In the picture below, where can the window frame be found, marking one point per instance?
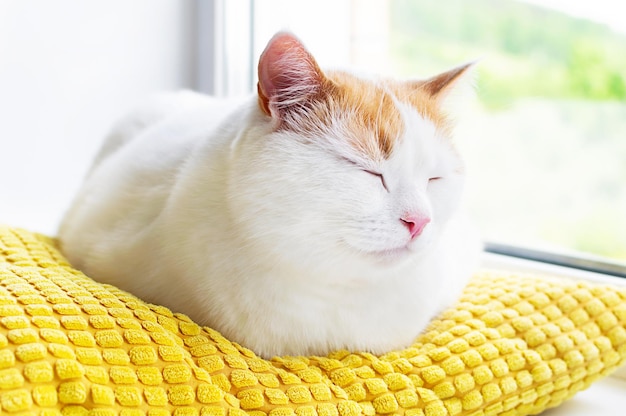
(224, 46)
(578, 260)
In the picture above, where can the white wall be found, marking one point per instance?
(68, 70)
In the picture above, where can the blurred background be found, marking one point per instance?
(544, 138)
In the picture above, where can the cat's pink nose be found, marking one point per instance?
(415, 224)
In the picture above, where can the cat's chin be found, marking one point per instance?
(390, 257)
(397, 256)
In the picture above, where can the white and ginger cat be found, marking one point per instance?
(321, 214)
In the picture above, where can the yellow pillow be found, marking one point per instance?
(513, 345)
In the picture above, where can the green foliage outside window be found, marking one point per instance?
(531, 52)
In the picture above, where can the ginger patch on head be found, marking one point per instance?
(368, 113)
(299, 96)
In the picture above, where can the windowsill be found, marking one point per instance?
(498, 261)
(605, 397)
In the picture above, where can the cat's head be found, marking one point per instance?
(346, 172)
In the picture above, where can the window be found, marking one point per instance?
(544, 139)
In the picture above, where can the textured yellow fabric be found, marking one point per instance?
(514, 345)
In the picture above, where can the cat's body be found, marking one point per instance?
(319, 215)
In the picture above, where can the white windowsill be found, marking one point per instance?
(605, 397)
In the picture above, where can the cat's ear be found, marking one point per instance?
(288, 75)
(441, 85)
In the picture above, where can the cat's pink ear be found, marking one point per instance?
(288, 75)
(441, 85)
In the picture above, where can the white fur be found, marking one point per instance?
(273, 239)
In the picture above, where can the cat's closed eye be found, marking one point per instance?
(379, 176)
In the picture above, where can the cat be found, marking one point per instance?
(320, 214)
